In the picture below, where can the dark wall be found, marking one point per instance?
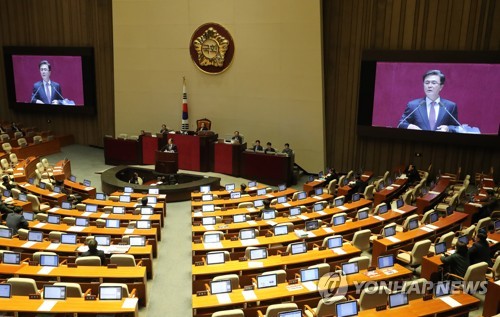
(349, 27)
(63, 23)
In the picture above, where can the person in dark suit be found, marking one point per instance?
(170, 147)
(257, 146)
(164, 129)
(332, 174)
(46, 91)
(431, 113)
(237, 138)
(458, 262)
(269, 148)
(16, 221)
(287, 150)
(480, 250)
(92, 251)
(358, 186)
(202, 127)
(412, 174)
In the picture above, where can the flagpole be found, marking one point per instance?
(185, 121)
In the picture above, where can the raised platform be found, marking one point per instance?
(177, 187)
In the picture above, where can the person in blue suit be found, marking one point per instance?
(46, 91)
(431, 113)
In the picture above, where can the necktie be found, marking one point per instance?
(432, 116)
(47, 91)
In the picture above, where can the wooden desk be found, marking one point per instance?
(131, 205)
(46, 195)
(227, 158)
(26, 205)
(390, 192)
(25, 169)
(434, 196)
(87, 192)
(137, 196)
(491, 302)
(149, 147)
(311, 186)
(267, 168)
(21, 304)
(195, 152)
(386, 245)
(62, 170)
(42, 149)
(122, 152)
(224, 193)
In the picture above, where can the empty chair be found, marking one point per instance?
(475, 273)
(125, 292)
(280, 275)
(22, 286)
(361, 239)
(92, 260)
(13, 159)
(46, 164)
(6, 166)
(122, 260)
(363, 262)
(55, 235)
(377, 184)
(350, 175)
(36, 205)
(408, 197)
(368, 193)
(18, 134)
(414, 258)
(4, 137)
(23, 234)
(72, 289)
(42, 217)
(70, 221)
(442, 207)
(406, 223)
(229, 313)
(37, 139)
(331, 188)
(41, 169)
(81, 207)
(234, 278)
(245, 205)
(114, 198)
(361, 211)
(273, 310)
(323, 268)
(414, 289)
(7, 147)
(426, 217)
(341, 180)
(386, 178)
(326, 307)
(36, 255)
(375, 210)
(22, 142)
(373, 297)
(482, 223)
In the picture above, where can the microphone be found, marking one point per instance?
(35, 93)
(56, 91)
(421, 103)
(441, 105)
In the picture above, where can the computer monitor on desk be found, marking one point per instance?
(442, 288)
(215, 258)
(54, 292)
(5, 290)
(267, 280)
(281, 200)
(280, 230)
(261, 192)
(307, 275)
(440, 248)
(220, 287)
(338, 201)
(49, 260)
(124, 199)
(103, 240)
(356, 197)
(9, 257)
(385, 261)
(82, 222)
(156, 191)
(208, 221)
(295, 211)
(205, 189)
(335, 242)
(208, 208)
(258, 254)
(68, 238)
(398, 299)
(137, 241)
(347, 309)
(118, 210)
(258, 203)
(54, 219)
(128, 189)
(5, 233)
(239, 218)
(291, 313)
(110, 292)
(350, 268)
(298, 248)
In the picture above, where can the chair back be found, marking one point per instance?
(22, 142)
(125, 292)
(476, 273)
(361, 239)
(448, 238)
(482, 223)
(229, 313)
(408, 219)
(349, 175)
(368, 193)
(496, 268)
(7, 147)
(122, 259)
(323, 268)
(37, 139)
(373, 297)
(207, 122)
(363, 262)
(92, 260)
(280, 275)
(18, 134)
(36, 255)
(22, 286)
(420, 249)
(332, 185)
(35, 203)
(414, 288)
(426, 216)
(273, 310)
(327, 306)
(72, 289)
(5, 164)
(247, 204)
(234, 278)
(70, 221)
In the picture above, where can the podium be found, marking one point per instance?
(166, 163)
(228, 157)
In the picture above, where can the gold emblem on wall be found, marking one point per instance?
(212, 48)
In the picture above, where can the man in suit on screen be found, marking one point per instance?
(46, 91)
(431, 113)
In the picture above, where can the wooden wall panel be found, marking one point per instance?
(349, 27)
(63, 23)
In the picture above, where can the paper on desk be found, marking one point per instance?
(339, 251)
(28, 244)
(364, 175)
(53, 246)
(39, 225)
(212, 245)
(328, 230)
(209, 227)
(129, 231)
(252, 264)
(53, 194)
(488, 188)
(497, 282)
(395, 185)
(393, 239)
(434, 192)
(252, 188)
(270, 195)
(450, 301)
(252, 222)
(488, 179)
(389, 271)
(249, 242)
(389, 188)
(104, 215)
(310, 286)
(433, 227)
(491, 241)
(286, 204)
(252, 209)
(76, 228)
(271, 223)
(197, 214)
(483, 195)
(321, 212)
(398, 211)
(89, 188)
(476, 205)
(379, 218)
(426, 229)
(47, 305)
(224, 298)
(318, 197)
(294, 287)
(130, 302)
(86, 214)
(46, 269)
(342, 207)
(249, 295)
(303, 217)
(55, 209)
(145, 217)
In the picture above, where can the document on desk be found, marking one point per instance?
(55, 209)
(252, 222)
(395, 185)
(311, 286)
(249, 295)
(197, 214)
(393, 239)
(130, 303)
(39, 225)
(389, 188)
(271, 223)
(321, 212)
(89, 188)
(252, 209)
(76, 228)
(379, 218)
(212, 245)
(433, 227)
(342, 208)
(129, 231)
(224, 298)
(450, 301)
(249, 242)
(256, 264)
(28, 244)
(209, 227)
(46, 270)
(47, 305)
(317, 197)
(476, 205)
(145, 217)
(434, 192)
(53, 194)
(294, 287)
(398, 211)
(86, 214)
(339, 251)
(426, 229)
(269, 195)
(303, 217)
(53, 246)
(327, 229)
(286, 204)
(105, 215)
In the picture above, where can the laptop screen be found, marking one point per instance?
(143, 224)
(398, 299)
(68, 238)
(347, 309)
(312, 225)
(118, 210)
(110, 292)
(413, 224)
(5, 233)
(318, 207)
(82, 222)
(124, 199)
(338, 201)
(318, 191)
(152, 200)
(54, 292)
(211, 238)
(49, 260)
(307, 275)
(338, 220)
(100, 196)
(6, 193)
(362, 214)
(266, 215)
(72, 178)
(112, 223)
(433, 217)
(350, 268)
(356, 197)
(280, 230)
(258, 254)
(57, 189)
(389, 231)
(295, 211)
(41, 185)
(205, 189)
(246, 234)
(5, 290)
(230, 187)
(66, 205)
(464, 239)
(298, 248)
(385, 261)
(258, 203)
(282, 200)
(156, 191)
(440, 247)
(147, 210)
(281, 187)
(86, 182)
(208, 208)
(382, 209)
(291, 313)
(91, 208)
(28, 215)
(442, 288)
(137, 241)
(239, 218)
(23, 197)
(35, 236)
(301, 195)
(267, 280)
(215, 258)
(128, 189)
(235, 195)
(220, 287)
(400, 202)
(103, 240)
(207, 197)
(261, 192)
(252, 184)
(335, 242)
(11, 258)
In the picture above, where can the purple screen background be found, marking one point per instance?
(475, 88)
(65, 70)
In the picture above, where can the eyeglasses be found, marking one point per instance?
(433, 82)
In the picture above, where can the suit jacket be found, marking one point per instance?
(16, 221)
(39, 93)
(170, 148)
(98, 253)
(237, 138)
(258, 148)
(420, 118)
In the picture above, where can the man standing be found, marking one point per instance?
(170, 147)
(237, 138)
(431, 113)
(46, 91)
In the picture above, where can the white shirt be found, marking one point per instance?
(49, 87)
(436, 106)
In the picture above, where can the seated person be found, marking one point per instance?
(5, 210)
(243, 187)
(7, 183)
(170, 147)
(257, 146)
(237, 139)
(267, 206)
(135, 179)
(458, 262)
(358, 186)
(412, 174)
(16, 221)
(269, 148)
(287, 150)
(202, 127)
(164, 129)
(144, 201)
(332, 174)
(94, 252)
(480, 250)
